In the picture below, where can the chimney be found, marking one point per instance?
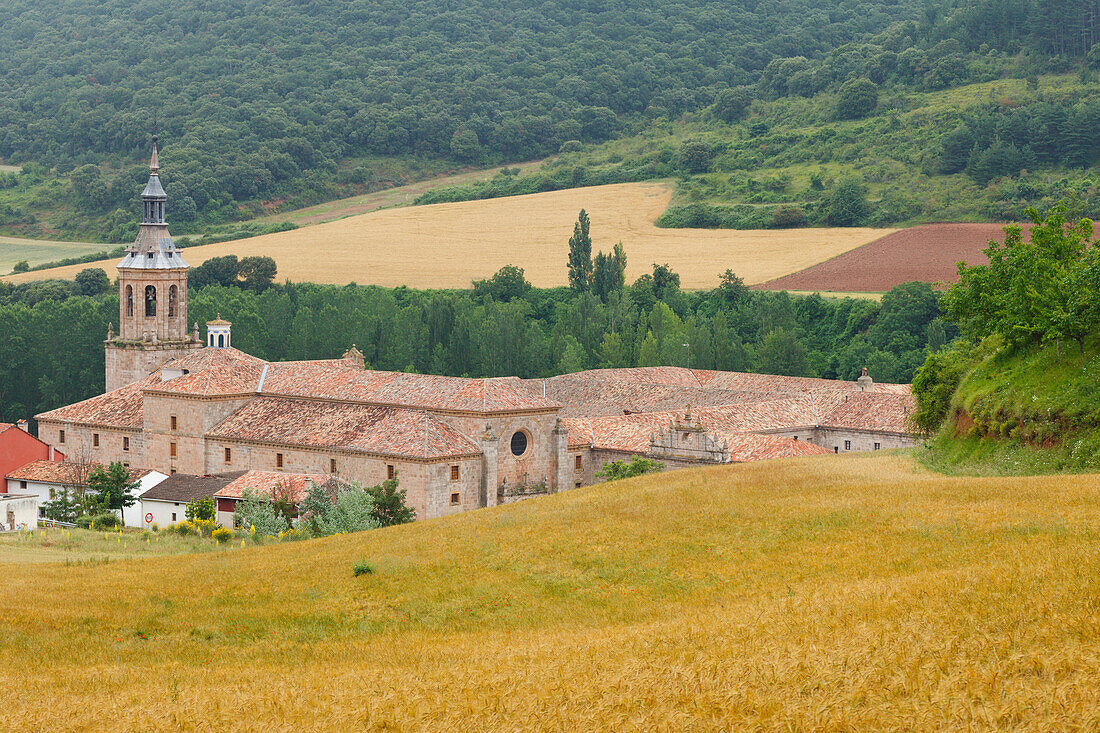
(22, 425)
(866, 384)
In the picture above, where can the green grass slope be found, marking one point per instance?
(1036, 411)
(838, 593)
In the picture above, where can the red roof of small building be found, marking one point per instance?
(291, 486)
(63, 472)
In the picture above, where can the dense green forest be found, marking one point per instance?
(52, 350)
(268, 104)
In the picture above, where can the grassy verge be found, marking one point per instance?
(834, 593)
(87, 546)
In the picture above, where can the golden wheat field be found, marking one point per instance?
(449, 245)
(850, 593)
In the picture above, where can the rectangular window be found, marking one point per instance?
(125, 464)
(22, 484)
(172, 450)
(228, 455)
(278, 460)
(455, 498)
(578, 464)
(125, 443)
(454, 473)
(878, 446)
(173, 516)
(577, 485)
(332, 465)
(836, 449)
(390, 471)
(60, 436)
(847, 445)
(95, 440)
(172, 420)
(172, 472)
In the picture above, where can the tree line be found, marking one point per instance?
(52, 353)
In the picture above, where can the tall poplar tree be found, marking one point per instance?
(580, 255)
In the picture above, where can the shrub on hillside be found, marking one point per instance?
(786, 217)
(256, 514)
(935, 383)
(638, 466)
(847, 204)
(857, 98)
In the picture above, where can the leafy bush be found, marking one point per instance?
(222, 535)
(638, 466)
(202, 508)
(105, 520)
(361, 568)
(256, 513)
(84, 522)
(349, 508)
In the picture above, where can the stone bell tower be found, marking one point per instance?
(152, 289)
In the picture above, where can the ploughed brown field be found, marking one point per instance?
(927, 253)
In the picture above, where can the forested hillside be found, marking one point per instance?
(263, 104)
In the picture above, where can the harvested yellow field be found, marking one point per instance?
(449, 245)
(835, 593)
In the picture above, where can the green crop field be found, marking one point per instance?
(39, 251)
(827, 593)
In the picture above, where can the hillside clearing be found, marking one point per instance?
(858, 592)
(39, 251)
(448, 245)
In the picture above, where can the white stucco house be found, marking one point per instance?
(45, 479)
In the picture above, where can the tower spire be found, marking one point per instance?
(154, 161)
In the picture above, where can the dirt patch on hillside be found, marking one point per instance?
(927, 253)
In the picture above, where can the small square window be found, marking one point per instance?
(454, 473)
(125, 443)
(95, 440)
(60, 436)
(278, 460)
(23, 485)
(171, 472)
(455, 498)
(228, 455)
(172, 450)
(332, 465)
(172, 420)
(125, 464)
(577, 485)
(390, 471)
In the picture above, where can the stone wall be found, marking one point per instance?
(194, 418)
(80, 441)
(428, 485)
(129, 361)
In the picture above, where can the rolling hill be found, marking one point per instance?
(858, 592)
(448, 245)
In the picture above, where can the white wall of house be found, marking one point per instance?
(44, 492)
(164, 512)
(18, 512)
(133, 516)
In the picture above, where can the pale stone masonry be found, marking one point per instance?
(179, 406)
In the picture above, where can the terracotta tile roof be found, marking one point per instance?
(233, 379)
(184, 487)
(297, 485)
(746, 448)
(423, 391)
(120, 408)
(387, 431)
(866, 411)
(62, 472)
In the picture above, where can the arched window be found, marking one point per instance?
(221, 340)
(130, 300)
(150, 301)
(172, 301)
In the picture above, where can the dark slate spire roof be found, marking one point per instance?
(153, 249)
